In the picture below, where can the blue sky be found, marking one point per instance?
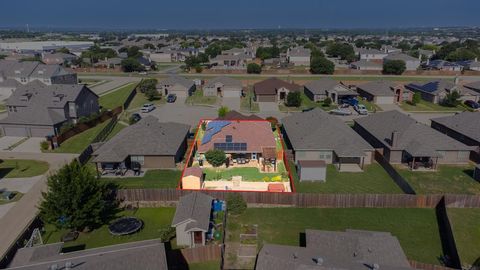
(223, 14)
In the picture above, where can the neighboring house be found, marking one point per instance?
(474, 86)
(428, 54)
(317, 135)
(299, 56)
(470, 65)
(150, 143)
(224, 87)
(370, 54)
(384, 92)
(411, 63)
(253, 140)
(58, 58)
(405, 141)
(326, 87)
(390, 49)
(176, 85)
(230, 61)
(109, 62)
(192, 219)
(463, 127)
(148, 254)
(436, 91)
(273, 90)
(365, 64)
(442, 65)
(352, 249)
(240, 51)
(38, 110)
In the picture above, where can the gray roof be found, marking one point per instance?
(319, 87)
(401, 56)
(299, 52)
(225, 81)
(14, 69)
(318, 130)
(366, 63)
(194, 208)
(146, 255)
(413, 137)
(336, 250)
(173, 80)
(465, 123)
(378, 88)
(148, 137)
(368, 51)
(473, 85)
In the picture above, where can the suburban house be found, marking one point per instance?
(390, 49)
(364, 64)
(411, 63)
(474, 86)
(273, 90)
(176, 85)
(58, 58)
(319, 90)
(428, 54)
(463, 127)
(147, 143)
(442, 65)
(148, 254)
(384, 92)
(317, 135)
(249, 52)
(113, 63)
(436, 91)
(370, 54)
(405, 141)
(299, 56)
(352, 249)
(230, 61)
(470, 65)
(192, 219)
(39, 110)
(223, 87)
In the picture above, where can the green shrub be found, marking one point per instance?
(236, 205)
(44, 145)
(167, 233)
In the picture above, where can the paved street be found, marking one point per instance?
(233, 103)
(112, 82)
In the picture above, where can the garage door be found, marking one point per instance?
(231, 94)
(41, 132)
(15, 131)
(384, 100)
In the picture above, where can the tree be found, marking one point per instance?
(76, 199)
(267, 52)
(236, 205)
(294, 99)
(394, 67)
(131, 65)
(253, 68)
(2, 56)
(149, 46)
(152, 94)
(327, 102)
(417, 97)
(215, 157)
(461, 54)
(342, 50)
(321, 65)
(222, 111)
(452, 99)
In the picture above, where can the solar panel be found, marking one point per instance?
(230, 146)
(213, 127)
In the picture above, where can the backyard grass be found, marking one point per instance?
(307, 103)
(210, 265)
(116, 97)
(447, 179)
(247, 104)
(466, 231)
(197, 98)
(151, 179)
(373, 180)
(79, 142)
(154, 220)
(420, 239)
(15, 168)
(248, 173)
(425, 106)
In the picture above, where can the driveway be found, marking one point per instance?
(32, 145)
(7, 141)
(268, 107)
(112, 82)
(233, 103)
(22, 185)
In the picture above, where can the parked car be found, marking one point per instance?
(171, 98)
(341, 111)
(146, 108)
(350, 101)
(472, 104)
(134, 118)
(142, 73)
(361, 109)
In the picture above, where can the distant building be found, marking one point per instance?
(370, 54)
(365, 64)
(42, 46)
(411, 63)
(442, 65)
(299, 56)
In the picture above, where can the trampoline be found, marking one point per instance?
(125, 225)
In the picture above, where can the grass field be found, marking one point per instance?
(79, 142)
(466, 231)
(154, 219)
(152, 179)
(15, 168)
(116, 97)
(420, 239)
(425, 106)
(197, 98)
(447, 179)
(374, 179)
(210, 265)
(248, 173)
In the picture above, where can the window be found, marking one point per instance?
(23, 80)
(139, 159)
(228, 138)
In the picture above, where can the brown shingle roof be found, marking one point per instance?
(271, 85)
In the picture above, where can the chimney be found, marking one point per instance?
(394, 139)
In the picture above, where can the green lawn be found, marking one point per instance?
(141, 99)
(197, 98)
(248, 173)
(420, 239)
(447, 179)
(371, 107)
(425, 106)
(373, 180)
(154, 219)
(210, 265)
(466, 231)
(152, 179)
(15, 168)
(116, 97)
(307, 103)
(79, 142)
(247, 104)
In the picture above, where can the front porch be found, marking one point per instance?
(122, 169)
(422, 164)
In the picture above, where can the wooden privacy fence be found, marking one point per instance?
(202, 254)
(312, 199)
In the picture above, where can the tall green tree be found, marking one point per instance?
(215, 157)
(294, 99)
(76, 199)
(452, 99)
(253, 68)
(321, 65)
(394, 67)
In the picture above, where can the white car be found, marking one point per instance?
(361, 109)
(146, 108)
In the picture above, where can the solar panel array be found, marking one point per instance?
(213, 127)
(230, 146)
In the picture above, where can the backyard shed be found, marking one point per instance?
(476, 173)
(312, 170)
(192, 178)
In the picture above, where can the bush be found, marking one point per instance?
(44, 145)
(253, 68)
(167, 233)
(294, 99)
(236, 205)
(198, 69)
(152, 94)
(417, 97)
(452, 99)
(66, 126)
(327, 102)
(222, 111)
(394, 67)
(215, 157)
(321, 65)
